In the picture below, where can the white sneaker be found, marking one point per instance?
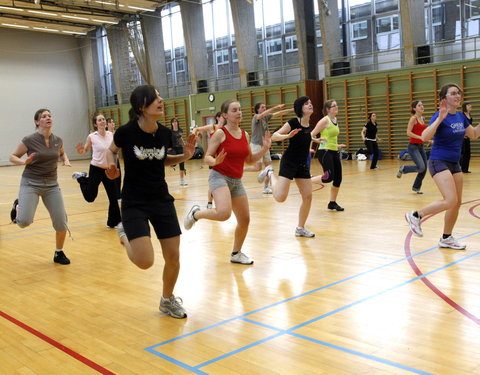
(452, 243)
(264, 174)
(190, 218)
(303, 232)
(240, 258)
(414, 223)
(77, 175)
(267, 190)
(400, 172)
(173, 307)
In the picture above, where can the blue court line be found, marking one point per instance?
(177, 362)
(346, 350)
(333, 346)
(302, 295)
(152, 350)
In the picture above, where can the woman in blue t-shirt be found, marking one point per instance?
(448, 128)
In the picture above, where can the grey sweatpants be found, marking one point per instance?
(28, 197)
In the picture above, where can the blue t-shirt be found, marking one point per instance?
(448, 139)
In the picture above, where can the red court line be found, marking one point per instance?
(430, 285)
(57, 345)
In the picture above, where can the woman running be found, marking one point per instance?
(227, 152)
(39, 179)
(99, 141)
(328, 154)
(294, 164)
(145, 197)
(448, 128)
(416, 126)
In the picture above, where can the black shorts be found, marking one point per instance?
(291, 170)
(136, 216)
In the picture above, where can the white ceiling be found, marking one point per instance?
(70, 17)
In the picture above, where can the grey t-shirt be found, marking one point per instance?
(259, 127)
(44, 165)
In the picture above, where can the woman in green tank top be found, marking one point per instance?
(328, 153)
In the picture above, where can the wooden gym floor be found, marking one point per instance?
(362, 297)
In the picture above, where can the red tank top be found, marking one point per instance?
(418, 129)
(237, 151)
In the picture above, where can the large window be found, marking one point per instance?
(108, 86)
(219, 33)
(291, 43)
(174, 44)
(274, 46)
(472, 8)
(383, 6)
(359, 30)
(387, 24)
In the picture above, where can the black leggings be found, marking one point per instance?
(330, 161)
(372, 148)
(178, 151)
(89, 186)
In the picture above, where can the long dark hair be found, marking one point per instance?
(298, 105)
(257, 106)
(142, 96)
(178, 124)
(464, 106)
(413, 105)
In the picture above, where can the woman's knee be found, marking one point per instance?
(22, 223)
(143, 263)
(452, 203)
(223, 214)
(243, 221)
(280, 197)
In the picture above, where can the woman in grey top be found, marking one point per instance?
(39, 179)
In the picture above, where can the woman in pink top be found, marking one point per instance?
(99, 141)
(228, 150)
(416, 126)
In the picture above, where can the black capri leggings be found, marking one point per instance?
(330, 161)
(178, 151)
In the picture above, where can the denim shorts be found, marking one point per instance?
(437, 166)
(235, 185)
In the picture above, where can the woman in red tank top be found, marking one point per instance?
(228, 151)
(416, 126)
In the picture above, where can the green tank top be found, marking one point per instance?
(330, 133)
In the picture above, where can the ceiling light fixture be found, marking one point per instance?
(73, 32)
(138, 8)
(15, 9)
(44, 13)
(45, 29)
(108, 3)
(13, 25)
(104, 21)
(75, 17)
